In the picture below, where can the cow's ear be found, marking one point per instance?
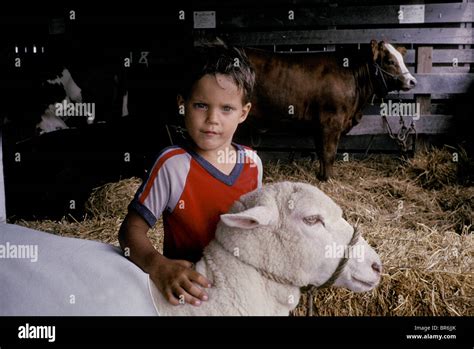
(375, 49)
(402, 50)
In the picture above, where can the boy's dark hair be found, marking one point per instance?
(213, 60)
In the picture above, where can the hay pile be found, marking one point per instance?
(433, 168)
(112, 199)
(106, 209)
(414, 214)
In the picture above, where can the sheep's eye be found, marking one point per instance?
(312, 220)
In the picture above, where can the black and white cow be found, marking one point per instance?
(72, 109)
(46, 171)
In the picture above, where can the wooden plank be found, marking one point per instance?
(333, 16)
(439, 86)
(410, 96)
(277, 141)
(358, 143)
(445, 56)
(460, 69)
(439, 55)
(449, 13)
(368, 143)
(346, 36)
(436, 108)
(3, 215)
(370, 125)
(441, 83)
(427, 124)
(423, 66)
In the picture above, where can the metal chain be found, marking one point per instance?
(403, 133)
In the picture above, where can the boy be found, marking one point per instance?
(194, 183)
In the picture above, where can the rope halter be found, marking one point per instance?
(379, 71)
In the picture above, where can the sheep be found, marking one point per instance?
(272, 242)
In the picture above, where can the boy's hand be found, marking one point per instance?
(174, 278)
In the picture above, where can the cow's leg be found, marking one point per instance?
(327, 140)
(328, 152)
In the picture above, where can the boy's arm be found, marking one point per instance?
(174, 278)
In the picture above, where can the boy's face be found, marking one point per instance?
(213, 111)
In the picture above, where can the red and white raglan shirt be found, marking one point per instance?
(191, 194)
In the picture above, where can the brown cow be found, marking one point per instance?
(326, 90)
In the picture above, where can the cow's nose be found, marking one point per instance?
(412, 82)
(377, 267)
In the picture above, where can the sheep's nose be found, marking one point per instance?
(377, 267)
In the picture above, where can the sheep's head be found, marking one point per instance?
(296, 232)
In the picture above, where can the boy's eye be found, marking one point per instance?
(200, 106)
(227, 108)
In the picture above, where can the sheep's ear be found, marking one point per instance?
(248, 219)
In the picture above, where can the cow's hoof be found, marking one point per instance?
(323, 177)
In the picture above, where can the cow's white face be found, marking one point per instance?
(295, 231)
(408, 80)
(390, 59)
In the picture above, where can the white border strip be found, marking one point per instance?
(3, 215)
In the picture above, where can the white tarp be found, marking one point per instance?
(3, 215)
(44, 274)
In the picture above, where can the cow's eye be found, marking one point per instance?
(390, 62)
(314, 219)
